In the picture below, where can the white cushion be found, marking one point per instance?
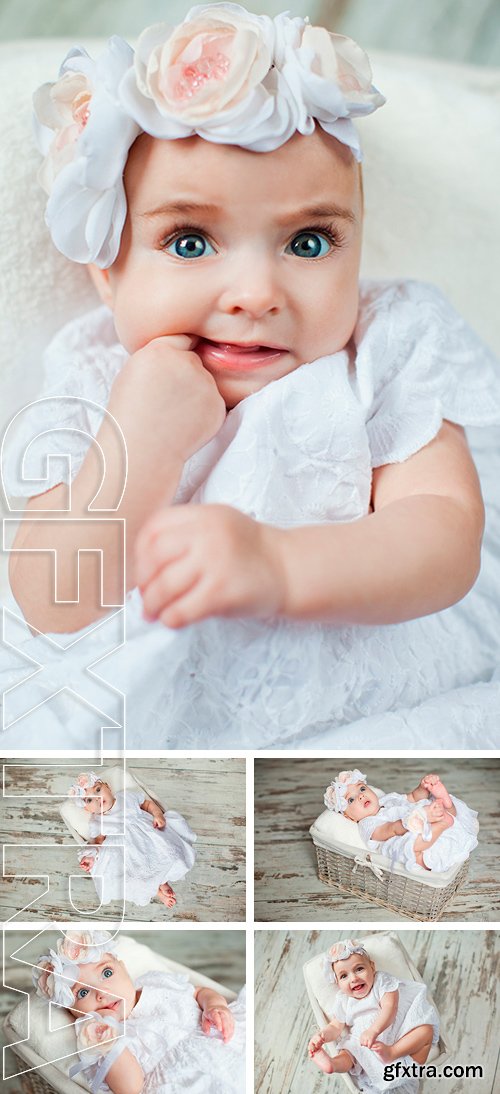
(77, 818)
(53, 1038)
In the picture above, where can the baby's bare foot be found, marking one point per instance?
(383, 1051)
(433, 784)
(340, 1064)
(166, 895)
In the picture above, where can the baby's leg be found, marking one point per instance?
(438, 790)
(416, 1043)
(437, 829)
(341, 1063)
(166, 895)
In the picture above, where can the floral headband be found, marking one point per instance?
(340, 951)
(335, 794)
(224, 74)
(57, 971)
(79, 789)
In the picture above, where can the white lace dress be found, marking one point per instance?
(414, 1009)
(136, 858)
(300, 451)
(453, 846)
(164, 1033)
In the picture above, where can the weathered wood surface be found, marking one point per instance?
(211, 795)
(289, 797)
(461, 969)
(219, 954)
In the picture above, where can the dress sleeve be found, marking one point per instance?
(339, 1007)
(47, 441)
(417, 364)
(383, 983)
(366, 827)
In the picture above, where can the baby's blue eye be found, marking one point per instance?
(82, 993)
(190, 245)
(309, 245)
(107, 973)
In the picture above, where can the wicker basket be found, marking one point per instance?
(407, 896)
(32, 1082)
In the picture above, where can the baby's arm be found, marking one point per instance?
(387, 1013)
(387, 830)
(416, 553)
(155, 811)
(215, 1012)
(331, 1032)
(168, 407)
(125, 1076)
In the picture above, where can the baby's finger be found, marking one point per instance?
(199, 603)
(227, 1024)
(171, 584)
(205, 1025)
(160, 550)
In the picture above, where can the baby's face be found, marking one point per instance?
(361, 802)
(105, 985)
(99, 798)
(355, 975)
(239, 249)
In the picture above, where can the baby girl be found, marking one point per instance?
(377, 1019)
(137, 849)
(153, 1035)
(300, 501)
(427, 829)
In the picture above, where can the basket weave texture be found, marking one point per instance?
(32, 1082)
(406, 896)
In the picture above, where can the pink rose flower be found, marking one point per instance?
(330, 798)
(45, 981)
(94, 1031)
(76, 945)
(207, 66)
(63, 107)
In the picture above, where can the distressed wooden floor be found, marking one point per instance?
(461, 968)
(289, 797)
(216, 953)
(211, 795)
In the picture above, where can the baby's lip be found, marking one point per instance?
(223, 344)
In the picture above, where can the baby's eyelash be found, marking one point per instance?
(180, 230)
(330, 231)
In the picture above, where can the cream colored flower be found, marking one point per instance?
(63, 107)
(342, 62)
(208, 65)
(93, 1031)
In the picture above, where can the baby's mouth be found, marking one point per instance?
(236, 357)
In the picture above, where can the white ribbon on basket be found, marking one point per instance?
(364, 860)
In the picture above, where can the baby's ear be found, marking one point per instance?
(101, 281)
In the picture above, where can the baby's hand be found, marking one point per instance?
(159, 821)
(221, 1019)
(87, 863)
(164, 399)
(197, 561)
(368, 1037)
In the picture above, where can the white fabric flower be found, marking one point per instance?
(85, 136)
(85, 947)
(335, 794)
(330, 76)
(54, 977)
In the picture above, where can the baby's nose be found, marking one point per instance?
(253, 287)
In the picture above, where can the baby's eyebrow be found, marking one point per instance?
(169, 207)
(317, 212)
